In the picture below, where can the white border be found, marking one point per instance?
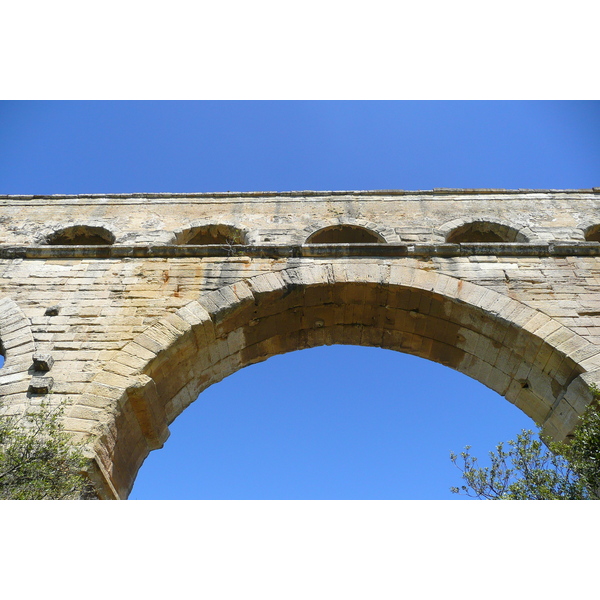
(311, 50)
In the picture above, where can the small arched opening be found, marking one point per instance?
(592, 233)
(81, 235)
(484, 232)
(345, 234)
(210, 235)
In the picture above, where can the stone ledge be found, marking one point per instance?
(302, 194)
(303, 251)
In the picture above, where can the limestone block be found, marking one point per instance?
(41, 385)
(152, 341)
(112, 380)
(139, 351)
(42, 362)
(194, 313)
(264, 284)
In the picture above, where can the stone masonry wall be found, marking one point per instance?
(82, 305)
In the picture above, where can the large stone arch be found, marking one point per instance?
(521, 353)
(18, 347)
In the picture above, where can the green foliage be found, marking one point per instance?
(583, 451)
(535, 469)
(38, 461)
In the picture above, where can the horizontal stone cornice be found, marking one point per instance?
(303, 194)
(302, 251)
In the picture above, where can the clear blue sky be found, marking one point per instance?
(358, 423)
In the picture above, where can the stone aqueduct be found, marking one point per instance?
(127, 306)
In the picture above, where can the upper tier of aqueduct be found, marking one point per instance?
(127, 306)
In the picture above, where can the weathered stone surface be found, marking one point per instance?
(42, 362)
(133, 330)
(41, 385)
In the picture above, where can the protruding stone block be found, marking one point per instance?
(41, 385)
(42, 362)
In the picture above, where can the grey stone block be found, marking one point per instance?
(42, 362)
(41, 385)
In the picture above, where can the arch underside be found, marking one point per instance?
(210, 234)
(86, 235)
(485, 231)
(345, 234)
(515, 350)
